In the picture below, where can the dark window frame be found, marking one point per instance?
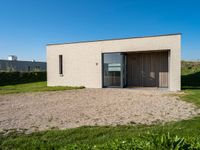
(61, 64)
(122, 62)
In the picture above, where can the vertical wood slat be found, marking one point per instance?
(148, 69)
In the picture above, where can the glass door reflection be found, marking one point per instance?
(113, 70)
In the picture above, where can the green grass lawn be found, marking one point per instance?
(192, 95)
(32, 87)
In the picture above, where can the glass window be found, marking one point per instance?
(112, 69)
(60, 64)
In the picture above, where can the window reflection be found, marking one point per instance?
(112, 69)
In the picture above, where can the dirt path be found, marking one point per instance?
(67, 109)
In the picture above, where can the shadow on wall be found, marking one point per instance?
(191, 81)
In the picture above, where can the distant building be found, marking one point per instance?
(12, 64)
(12, 57)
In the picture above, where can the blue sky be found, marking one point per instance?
(26, 26)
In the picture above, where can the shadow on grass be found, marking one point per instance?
(190, 81)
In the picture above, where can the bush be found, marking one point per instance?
(191, 79)
(190, 74)
(189, 67)
(9, 78)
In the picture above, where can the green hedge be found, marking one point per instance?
(190, 74)
(9, 78)
(191, 80)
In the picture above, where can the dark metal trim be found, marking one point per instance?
(102, 70)
(115, 39)
(121, 72)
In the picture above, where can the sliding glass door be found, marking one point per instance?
(113, 70)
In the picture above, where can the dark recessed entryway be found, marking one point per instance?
(135, 69)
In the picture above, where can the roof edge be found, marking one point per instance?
(22, 61)
(114, 39)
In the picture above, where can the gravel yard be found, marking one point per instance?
(74, 108)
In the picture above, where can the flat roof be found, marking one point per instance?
(22, 61)
(115, 39)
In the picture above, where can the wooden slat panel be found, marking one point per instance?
(148, 69)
